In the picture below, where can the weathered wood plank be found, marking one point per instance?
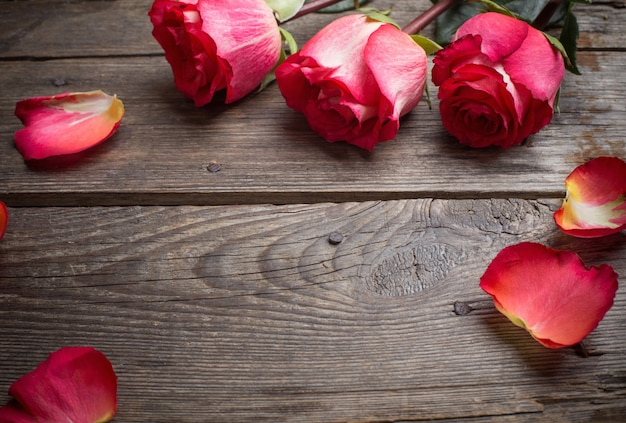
(48, 29)
(269, 155)
(248, 313)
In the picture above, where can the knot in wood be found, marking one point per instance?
(413, 270)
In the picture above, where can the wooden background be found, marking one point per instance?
(217, 296)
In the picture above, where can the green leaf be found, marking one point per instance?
(495, 7)
(429, 46)
(341, 6)
(449, 21)
(377, 15)
(288, 38)
(527, 10)
(557, 44)
(285, 9)
(559, 15)
(428, 99)
(568, 39)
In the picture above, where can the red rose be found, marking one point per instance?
(217, 44)
(354, 80)
(498, 80)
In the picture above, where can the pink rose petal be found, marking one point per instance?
(66, 123)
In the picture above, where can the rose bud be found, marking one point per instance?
(354, 80)
(498, 80)
(213, 45)
(66, 123)
(595, 199)
(75, 384)
(550, 293)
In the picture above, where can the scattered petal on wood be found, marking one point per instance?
(66, 123)
(550, 293)
(75, 384)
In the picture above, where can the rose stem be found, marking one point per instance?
(310, 7)
(546, 13)
(428, 16)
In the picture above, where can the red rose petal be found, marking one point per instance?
(549, 292)
(74, 384)
(598, 181)
(4, 218)
(11, 413)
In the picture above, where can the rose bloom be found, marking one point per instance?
(354, 80)
(498, 80)
(217, 44)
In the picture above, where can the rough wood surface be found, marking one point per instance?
(216, 306)
(248, 313)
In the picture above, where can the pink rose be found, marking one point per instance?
(217, 44)
(498, 80)
(354, 80)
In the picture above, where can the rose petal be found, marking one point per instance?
(544, 77)
(66, 123)
(247, 38)
(463, 51)
(4, 218)
(595, 201)
(549, 292)
(491, 26)
(11, 413)
(344, 55)
(75, 384)
(521, 46)
(409, 60)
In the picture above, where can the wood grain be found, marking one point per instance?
(248, 313)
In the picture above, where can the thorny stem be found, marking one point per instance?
(428, 16)
(314, 6)
(544, 16)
